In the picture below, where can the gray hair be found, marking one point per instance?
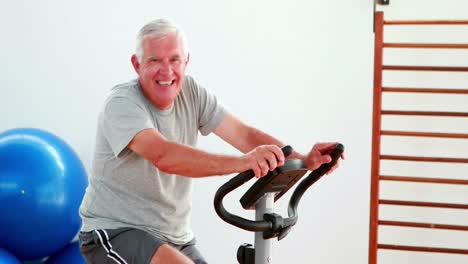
(158, 28)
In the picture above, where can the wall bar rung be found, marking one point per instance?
(424, 113)
(423, 134)
(423, 180)
(426, 22)
(426, 45)
(423, 204)
(423, 225)
(424, 68)
(424, 90)
(423, 249)
(429, 159)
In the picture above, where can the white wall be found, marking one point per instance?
(299, 70)
(433, 147)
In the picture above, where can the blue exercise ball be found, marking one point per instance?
(39, 261)
(7, 258)
(69, 255)
(42, 183)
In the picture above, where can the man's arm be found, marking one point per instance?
(173, 157)
(176, 158)
(245, 138)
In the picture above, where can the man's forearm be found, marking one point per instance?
(188, 161)
(257, 137)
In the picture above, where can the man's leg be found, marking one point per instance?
(168, 255)
(191, 251)
(127, 246)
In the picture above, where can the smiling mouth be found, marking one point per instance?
(165, 83)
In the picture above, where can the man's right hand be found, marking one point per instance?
(263, 159)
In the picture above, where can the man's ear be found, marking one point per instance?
(136, 64)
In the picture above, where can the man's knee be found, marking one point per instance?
(169, 255)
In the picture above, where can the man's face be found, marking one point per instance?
(162, 69)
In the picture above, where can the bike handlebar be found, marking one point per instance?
(263, 225)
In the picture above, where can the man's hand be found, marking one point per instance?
(320, 155)
(263, 159)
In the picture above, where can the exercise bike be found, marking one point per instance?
(262, 196)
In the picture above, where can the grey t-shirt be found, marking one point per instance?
(126, 190)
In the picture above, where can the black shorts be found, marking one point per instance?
(127, 245)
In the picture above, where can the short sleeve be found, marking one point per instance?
(211, 112)
(120, 120)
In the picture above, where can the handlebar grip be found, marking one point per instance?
(311, 179)
(287, 150)
(335, 155)
(234, 183)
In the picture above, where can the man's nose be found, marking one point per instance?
(165, 67)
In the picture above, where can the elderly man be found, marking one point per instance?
(137, 206)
